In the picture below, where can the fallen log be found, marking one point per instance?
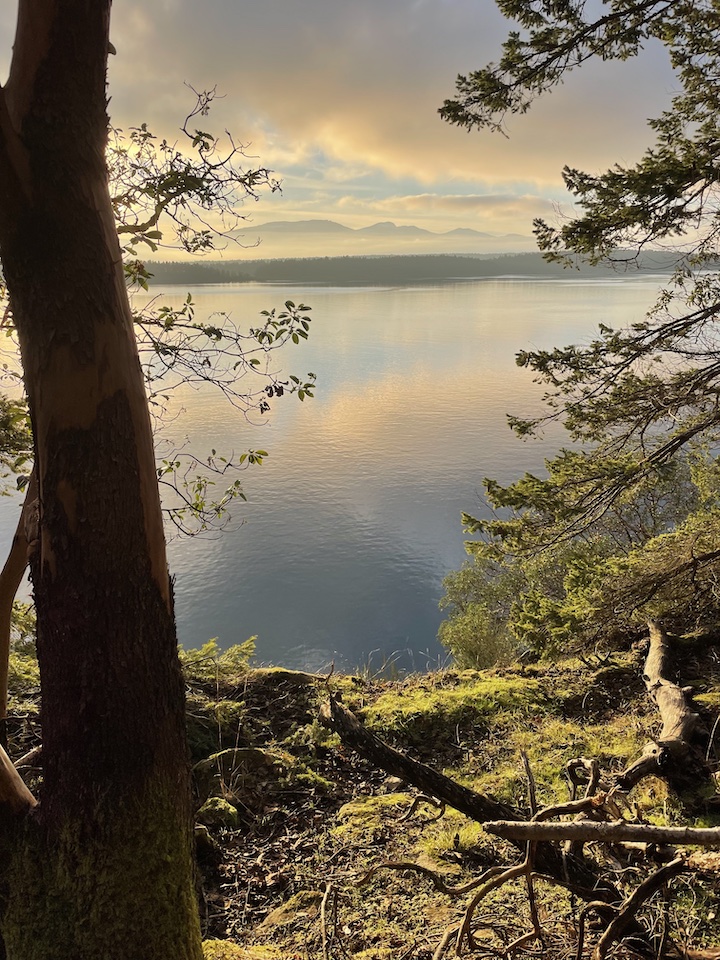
(670, 756)
(590, 830)
(575, 874)
(475, 805)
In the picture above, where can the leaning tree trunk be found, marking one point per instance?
(102, 866)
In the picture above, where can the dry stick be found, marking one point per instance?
(438, 804)
(323, 920)
(465, 932)
(598, 907)
(352, 732)
(438, 882)
(529, 855)
(29, 759)
(532, 795)
(589, 830)
(445, 942)
(672, 750)
(618, 927)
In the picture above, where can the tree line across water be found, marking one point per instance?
(398, 269)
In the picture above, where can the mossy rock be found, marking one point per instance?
(227, 950)
(361, 819)
(303, 906)
(217, 812)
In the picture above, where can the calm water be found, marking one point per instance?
(354, 519)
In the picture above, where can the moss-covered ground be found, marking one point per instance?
(291, 821)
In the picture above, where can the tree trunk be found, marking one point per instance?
(10, 580)
(102, 867)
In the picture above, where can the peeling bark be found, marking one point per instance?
(103, 867)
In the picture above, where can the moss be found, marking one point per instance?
(710, 700)
(453, 832)
(432, 708)
(361, 820)
(302, 906)
(123, 887)
(217, 812)
(227, 950)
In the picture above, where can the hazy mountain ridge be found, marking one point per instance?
(321, 238)
(381, 228)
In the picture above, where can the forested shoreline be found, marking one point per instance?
(400, 269)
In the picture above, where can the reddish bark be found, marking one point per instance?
(114, 748)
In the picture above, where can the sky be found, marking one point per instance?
(340, 99)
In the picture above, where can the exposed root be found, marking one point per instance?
(438, 882)
(422, 798)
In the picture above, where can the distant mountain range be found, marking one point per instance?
(385, 228)
(393, 269)
(316, 238)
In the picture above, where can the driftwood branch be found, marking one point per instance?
(475, 805)
(671, 755)
(15, 798)
(589, 831)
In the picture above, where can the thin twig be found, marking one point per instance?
(438, 882)
(445, 942)
(323, 920)
(616, 929)
(532, 795)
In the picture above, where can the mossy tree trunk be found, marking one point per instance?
(102, 866)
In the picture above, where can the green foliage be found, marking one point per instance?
(636, 495)
(23, 623)
(23, 676)
(654, 553)
(158, 186)
(210, 663)
(15, 438)
(189, 195)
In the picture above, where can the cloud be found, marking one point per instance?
(341, 97)
(362, 83)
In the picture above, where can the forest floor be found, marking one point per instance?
(294, 827)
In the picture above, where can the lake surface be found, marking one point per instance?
(354, 518)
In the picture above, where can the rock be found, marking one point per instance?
(217, 812)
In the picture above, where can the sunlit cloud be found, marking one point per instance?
(342, 99)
